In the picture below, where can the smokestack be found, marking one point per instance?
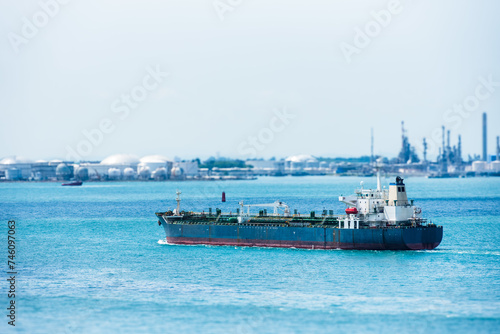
(403, 135)
(442, 150)
(425, 150)
(448, 148)
(498, 148)
(459, 149)
(485, 142)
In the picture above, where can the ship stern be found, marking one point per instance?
(421, 238)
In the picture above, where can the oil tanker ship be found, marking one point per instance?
(375, 219)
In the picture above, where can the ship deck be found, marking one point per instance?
(299, 220)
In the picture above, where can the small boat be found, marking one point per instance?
(73, 183)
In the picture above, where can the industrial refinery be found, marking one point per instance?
(127, 167)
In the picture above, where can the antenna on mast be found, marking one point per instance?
(379, 183)
(178, 199)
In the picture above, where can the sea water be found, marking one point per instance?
(92, 259)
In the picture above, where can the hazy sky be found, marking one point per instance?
(233, 66)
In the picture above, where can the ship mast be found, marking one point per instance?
(178, 199)
(379, 184)
(377, 167)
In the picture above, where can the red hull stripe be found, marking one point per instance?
(292, 244)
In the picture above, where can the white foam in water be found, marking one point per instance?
(164, 242)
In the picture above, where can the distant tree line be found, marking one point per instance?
(226, 163)
(362, 159)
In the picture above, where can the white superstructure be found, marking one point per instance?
(380, 207)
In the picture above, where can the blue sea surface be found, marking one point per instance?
(92, 259)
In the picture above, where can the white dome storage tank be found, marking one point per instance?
(298, 162)
(63, 171)
(129, 173)
(93, 174)
(114, 174)
(153, 162)
(177, 172)
(301, 158)
(82, 173)
(144, 173)
(495, 166)
(154, 158)
(15, 160)
(121, 160)
(160, 174)
(479, 166)
(22, 164)
(8, 161)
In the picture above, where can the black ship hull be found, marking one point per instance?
(310, 237)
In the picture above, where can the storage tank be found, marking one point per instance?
(177, 172)
(129, 173)
(160, 174)
(495, 166)
(120, 160)
(479, 166)
(114, 174)
(20, 163)
(82, 173)
(145, 173)
(63, 172)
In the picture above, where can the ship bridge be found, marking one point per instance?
(380, 207)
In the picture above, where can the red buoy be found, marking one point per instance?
(223, 196)
(351, 211)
